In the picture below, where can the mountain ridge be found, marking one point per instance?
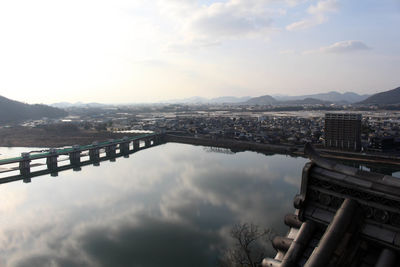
(262, 100)
(204, 100)
(384, 98)
(332, 96)
(325, 98)
(15, 111)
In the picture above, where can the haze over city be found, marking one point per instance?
(149, 51)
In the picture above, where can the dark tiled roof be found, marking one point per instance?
(344, 217)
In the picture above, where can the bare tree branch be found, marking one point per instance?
(248, 250)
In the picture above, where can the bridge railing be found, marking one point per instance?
(67, 150)
(75, 155)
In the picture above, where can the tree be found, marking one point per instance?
(249, 247)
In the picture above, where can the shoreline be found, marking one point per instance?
(236, 146)
(53, 138)
(45, 138)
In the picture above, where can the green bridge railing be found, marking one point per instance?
(65, 151)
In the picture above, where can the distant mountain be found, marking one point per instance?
(306, 101)
(333, 97)
(229, 99)
(203, 100)
(385, 98)
(326, 98)
(189, 100)
(78, 104)
(14, 111)
(269, 100)
(262, 100)
(62, 105)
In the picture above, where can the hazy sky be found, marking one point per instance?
(147, 51)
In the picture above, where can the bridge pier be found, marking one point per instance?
(156, 140)
(75, 157)
(124, 147)
(52, 162)
(111, 150)
(136, 145)
(94, 154)
(147, 143)
(25, 165)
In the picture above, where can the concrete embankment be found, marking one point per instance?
(236, 145)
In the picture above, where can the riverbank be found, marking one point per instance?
(235, 145)
(59, 137)
(52, 137)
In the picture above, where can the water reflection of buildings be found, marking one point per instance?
(219, 150)
(344, 217)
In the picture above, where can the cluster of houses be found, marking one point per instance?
(378, 133)
(380, 130)
(382, 133)
(261, 129)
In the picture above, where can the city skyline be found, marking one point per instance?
(142, 51)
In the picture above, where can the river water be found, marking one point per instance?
(170, 205)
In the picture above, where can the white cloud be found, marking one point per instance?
(210, 24)
(324, 7)
(341, 47)
(305, 23)
(224, 20)
(345, 46)
(318, 15)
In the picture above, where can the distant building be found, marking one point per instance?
(383, 143)
(343, 131)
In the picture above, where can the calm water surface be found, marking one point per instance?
(171, 205)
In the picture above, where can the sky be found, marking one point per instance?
(129, 51)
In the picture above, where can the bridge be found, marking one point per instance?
(76, 157)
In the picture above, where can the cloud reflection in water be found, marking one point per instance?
(170, 205)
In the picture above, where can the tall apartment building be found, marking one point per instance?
(343, 131)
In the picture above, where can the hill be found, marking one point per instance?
(262, 100)
(333, 97)
(228, 99)
(14, 111)
(385, 98)
(325, 98)
(269, 100)
(65, 105)
(306, 101)
(203, 100)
